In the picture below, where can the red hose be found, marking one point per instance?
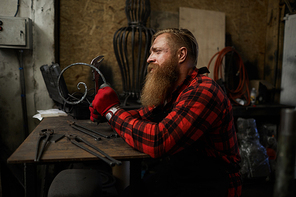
(242, 89)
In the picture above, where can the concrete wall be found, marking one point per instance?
(41, 12)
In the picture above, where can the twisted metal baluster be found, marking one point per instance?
(128, 46)
(118, 57)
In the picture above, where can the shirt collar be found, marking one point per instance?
(185, 83)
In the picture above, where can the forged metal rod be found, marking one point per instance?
(96, 62)
(109, 160)
(85, 132)
(105, 136)
(75, 142)
(80, 83)
(100, 151)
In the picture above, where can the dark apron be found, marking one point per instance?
(186, 175)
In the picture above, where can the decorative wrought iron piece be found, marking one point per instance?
(80, 83)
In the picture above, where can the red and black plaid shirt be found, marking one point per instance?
(198, 109)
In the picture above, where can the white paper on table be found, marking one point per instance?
(49, 113)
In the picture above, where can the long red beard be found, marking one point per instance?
(158, 83)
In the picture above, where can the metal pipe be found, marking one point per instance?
(284, 185)
(23, 93)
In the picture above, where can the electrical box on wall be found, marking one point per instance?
(15, 33)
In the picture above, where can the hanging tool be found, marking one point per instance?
(76, 140)
(44, 133)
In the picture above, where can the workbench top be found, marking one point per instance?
(64, 150)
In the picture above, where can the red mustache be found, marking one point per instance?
(152, 66)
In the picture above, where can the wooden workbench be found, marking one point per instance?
(65, 151)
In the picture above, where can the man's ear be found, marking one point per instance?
(182, 54)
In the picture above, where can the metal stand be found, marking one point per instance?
(23, 93)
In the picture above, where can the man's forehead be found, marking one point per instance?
(160, 42)
(161, 38)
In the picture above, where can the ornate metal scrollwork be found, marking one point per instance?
(80, 83)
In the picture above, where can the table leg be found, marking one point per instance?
(30, 182)
(135, 177)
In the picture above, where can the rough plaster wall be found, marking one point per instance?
(11, 120)
(43, 50)
(87, 29)
(12, 132)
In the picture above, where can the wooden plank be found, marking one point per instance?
(272, 44)
(280, 55)
(288, 90)
(209, 29)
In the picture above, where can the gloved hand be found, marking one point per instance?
(95, 116)
(105, 98)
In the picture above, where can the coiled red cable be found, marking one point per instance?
(242, 89)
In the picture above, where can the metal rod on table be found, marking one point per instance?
(105, 136)
(76, 141)
(85, 132)
(100, 151)
(111, 163)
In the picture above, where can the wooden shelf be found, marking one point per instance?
(262, 111)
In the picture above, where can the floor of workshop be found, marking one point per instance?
(251, 188)
(258, 188)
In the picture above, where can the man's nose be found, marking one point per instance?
(150, 58)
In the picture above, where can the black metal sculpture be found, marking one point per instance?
(131, 46)
(94, 65)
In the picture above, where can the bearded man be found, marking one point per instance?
(186, 123)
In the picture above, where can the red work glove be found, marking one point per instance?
(95, 116)
(105, 98)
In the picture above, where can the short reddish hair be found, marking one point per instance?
(182, 38)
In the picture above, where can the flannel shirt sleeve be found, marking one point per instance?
(195, 112)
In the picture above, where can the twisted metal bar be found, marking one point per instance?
(80, 83)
